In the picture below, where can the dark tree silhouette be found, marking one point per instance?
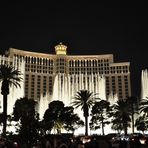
(121, 114)
(144, 106)
(85, 100)
(100, 114)
(24, 111)
(142, 123)
(8, 76)
(58, 117)
(133, 108)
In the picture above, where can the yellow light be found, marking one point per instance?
(61, 49)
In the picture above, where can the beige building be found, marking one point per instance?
(81, 72)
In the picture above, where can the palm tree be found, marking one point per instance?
(133, 105)
(121, 114)
(141, 123)
(84, 99)
(8, 76)
(144, 106)
(117, 125)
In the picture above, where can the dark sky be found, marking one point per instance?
(86, 28)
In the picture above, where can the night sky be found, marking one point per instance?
(86, 28)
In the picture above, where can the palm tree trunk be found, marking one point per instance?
(102, 128)
(86, 126)
(125, 129)
(133, 123)
(4, 114)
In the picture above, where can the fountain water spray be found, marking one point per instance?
(144, 84)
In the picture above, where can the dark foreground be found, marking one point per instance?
(69, 141)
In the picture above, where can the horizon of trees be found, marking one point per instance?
(58, 116)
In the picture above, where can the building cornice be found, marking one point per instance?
(120, 64)
(13, 51)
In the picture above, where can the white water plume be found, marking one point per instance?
(144, 84)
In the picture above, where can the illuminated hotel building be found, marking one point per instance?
(41, 70)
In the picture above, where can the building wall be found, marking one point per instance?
(41, 69)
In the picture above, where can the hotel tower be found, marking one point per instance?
(61, 75)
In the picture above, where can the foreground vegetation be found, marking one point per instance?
(59, 117)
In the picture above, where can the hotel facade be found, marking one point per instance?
(61, 74)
